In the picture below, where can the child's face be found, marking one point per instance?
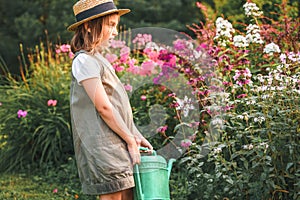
(110, 29)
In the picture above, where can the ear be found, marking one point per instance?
(86, 27)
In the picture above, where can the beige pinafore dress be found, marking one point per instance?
(102, 158)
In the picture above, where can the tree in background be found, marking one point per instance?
(29, 22)
(169, 14)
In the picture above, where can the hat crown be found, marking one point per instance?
(84, 5)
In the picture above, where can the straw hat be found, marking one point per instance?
(86, 10)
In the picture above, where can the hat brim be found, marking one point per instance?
(120, 12)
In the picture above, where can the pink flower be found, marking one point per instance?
(194, 124)
(153, 55)
(142, 39)
(225, 83)
(147, 68)
(128, 87)
(57, 51)
(162, 129)
(202, 46)
(125, 51)
(172, 95)
(111, 57)
(186, 143)
(65, 48)
(241, 96)
(52, 102)
(0, 104)
(179, 44)
(143, 97)
(124, 58)
(71, 55)
(117, 44)
(133, 69)
(118, 68)
(22, 113)
(55, 191)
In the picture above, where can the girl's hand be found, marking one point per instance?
(146, 143)
(143, 142)
(134, 153)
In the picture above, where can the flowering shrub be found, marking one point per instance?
(148, 71)
(256, 156)
(34, 115)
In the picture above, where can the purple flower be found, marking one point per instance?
(22, 113)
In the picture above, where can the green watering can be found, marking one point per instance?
(151, 177)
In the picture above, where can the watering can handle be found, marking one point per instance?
(138, 185)
(146, 149)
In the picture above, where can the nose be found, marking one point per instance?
(114, 31)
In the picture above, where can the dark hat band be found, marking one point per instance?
(95, 11)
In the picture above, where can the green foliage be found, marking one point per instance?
(42, 135)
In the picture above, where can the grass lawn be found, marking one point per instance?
(32, 187)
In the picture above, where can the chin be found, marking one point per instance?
(105, 43)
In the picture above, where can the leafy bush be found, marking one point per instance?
(34, 115)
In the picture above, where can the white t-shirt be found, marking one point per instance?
(85, 66)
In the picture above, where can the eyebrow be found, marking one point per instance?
(112, 22)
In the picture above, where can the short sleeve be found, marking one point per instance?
(85, 66)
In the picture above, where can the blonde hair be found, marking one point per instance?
(89, 39)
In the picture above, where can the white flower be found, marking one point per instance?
(185, 105)
(260, 78)
(264, 144)
(253, 34)
(294, 57)
(217, 121)
(217, 150)
(248, 146)
(224, 31)
(272, 48)
(240, 41)
(259, 119)
(251, 9)
(265, 96)
(283, 58)
(251, 102)
(240, 116)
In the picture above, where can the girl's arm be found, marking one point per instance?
(112, 118)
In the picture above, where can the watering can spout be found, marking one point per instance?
(170, 163)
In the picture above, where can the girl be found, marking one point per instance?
(105, 138)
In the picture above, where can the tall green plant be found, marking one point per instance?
(34, 113)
